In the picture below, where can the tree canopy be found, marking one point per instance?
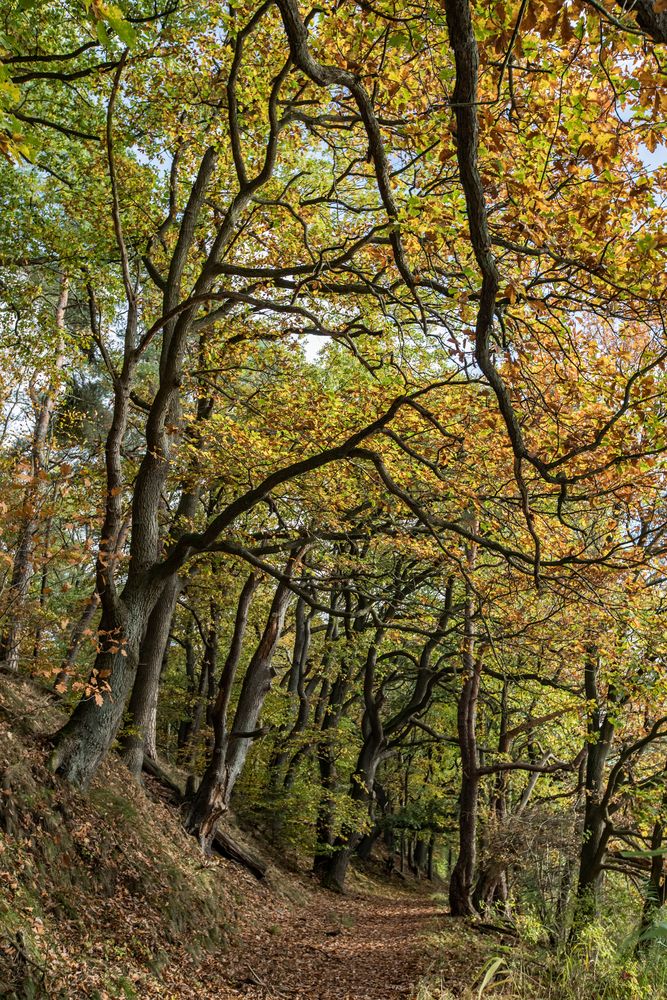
(333, 454)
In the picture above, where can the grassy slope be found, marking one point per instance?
(103, 895)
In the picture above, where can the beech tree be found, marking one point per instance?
(333, 440)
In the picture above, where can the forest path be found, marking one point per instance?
(353, 947)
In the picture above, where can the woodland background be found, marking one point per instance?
(332, 453)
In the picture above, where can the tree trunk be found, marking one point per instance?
(655, 886)
(230, 749)
(198, 713)
(43, 588)
(420, 857)
(328, 712)
(296, 685)
(185, 724)
(491, 885)
(368, 842)
(595, 832)
(142, 709)
(324, 823)
(332, 868)
(142, 712)
(22, 568)
(76, 638)
(331, 865)
(463, 875)
(85, 739)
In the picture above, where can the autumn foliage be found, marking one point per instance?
(334, 399)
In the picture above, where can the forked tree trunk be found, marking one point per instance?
(332, 865)
(328, 712)
(296, 685)
(333, 868)
(463, 874)
(86, 738)
(230, 748)
(142, 710)
(368, 842)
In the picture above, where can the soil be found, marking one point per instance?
(358, 947)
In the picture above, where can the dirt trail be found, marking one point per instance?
(357, 947)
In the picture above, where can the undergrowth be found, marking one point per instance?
(602, 964)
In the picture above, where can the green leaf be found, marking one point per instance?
(492, 968)
(657, 932)
(399, 40)
(102, 34)
(124, 30)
